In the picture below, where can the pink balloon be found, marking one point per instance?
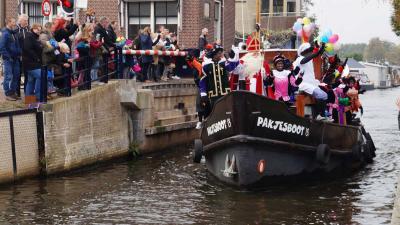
(300, 33)
(334, 38)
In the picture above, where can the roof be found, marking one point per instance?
(353, 64)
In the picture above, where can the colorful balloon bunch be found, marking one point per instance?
(330, 41)
(304, 28)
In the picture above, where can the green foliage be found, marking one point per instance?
(278, 38)
(134, 149)
(396, 17)
(355, 51)
(382, 51)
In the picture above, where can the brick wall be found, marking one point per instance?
(11, 8)
(108, 8)
(228, 25)
(194, 21)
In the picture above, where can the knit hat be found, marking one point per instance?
(214, 52)
(279, 58)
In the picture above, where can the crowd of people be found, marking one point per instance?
(65, 46)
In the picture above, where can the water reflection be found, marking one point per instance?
(169, 189)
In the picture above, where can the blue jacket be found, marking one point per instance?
(9, 45)
(146, 44)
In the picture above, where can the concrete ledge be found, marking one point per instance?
(174, 92)
(174, 113)
(175, 84)
(175, 120)
(168, 128)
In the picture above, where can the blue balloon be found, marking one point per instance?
(324, 39)
(328, 33)
(297, 26)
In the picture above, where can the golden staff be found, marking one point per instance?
(258, 21)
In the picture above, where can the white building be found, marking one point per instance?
(378, 74)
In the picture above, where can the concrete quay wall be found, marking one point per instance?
(85, 128)
(112, 120)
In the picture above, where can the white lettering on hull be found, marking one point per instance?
(283, 126)
(219, 126)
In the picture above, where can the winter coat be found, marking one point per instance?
(48, 54)
(108, 43)
(112, 34)
(9, 45)
(202, 42)
(147, 44)
(32, 54)
(21, 34)
(95, 49)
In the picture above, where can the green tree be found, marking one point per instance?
(355, 51)
(382, 51)
(375, 51)
(396, 17)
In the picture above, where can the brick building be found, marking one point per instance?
(185, 17)
(275, 14)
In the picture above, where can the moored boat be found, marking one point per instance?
(249, 139)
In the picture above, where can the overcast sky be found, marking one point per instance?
(356, 21)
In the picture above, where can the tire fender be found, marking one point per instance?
(197, 151)
(371, 143)
(356, 152)
(323, 154)
(368, 152)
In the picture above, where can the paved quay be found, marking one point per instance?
(8, 105)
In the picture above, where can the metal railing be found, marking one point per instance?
(82, 79)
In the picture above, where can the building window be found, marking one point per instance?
(216, 10)
(265, 6)
(278, 7)
(291, 6)
(166, 14)
(138, 17)
(152, 14)
(206, 10)
(34, 11)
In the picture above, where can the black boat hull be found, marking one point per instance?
(249, 138)
(279, 160)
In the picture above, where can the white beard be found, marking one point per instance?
(252, 64)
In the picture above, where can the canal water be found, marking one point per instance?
(169, 189)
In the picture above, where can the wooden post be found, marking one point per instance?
(258, 7)
(258, 21)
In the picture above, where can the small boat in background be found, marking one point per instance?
(365, 83)
(357, 70)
